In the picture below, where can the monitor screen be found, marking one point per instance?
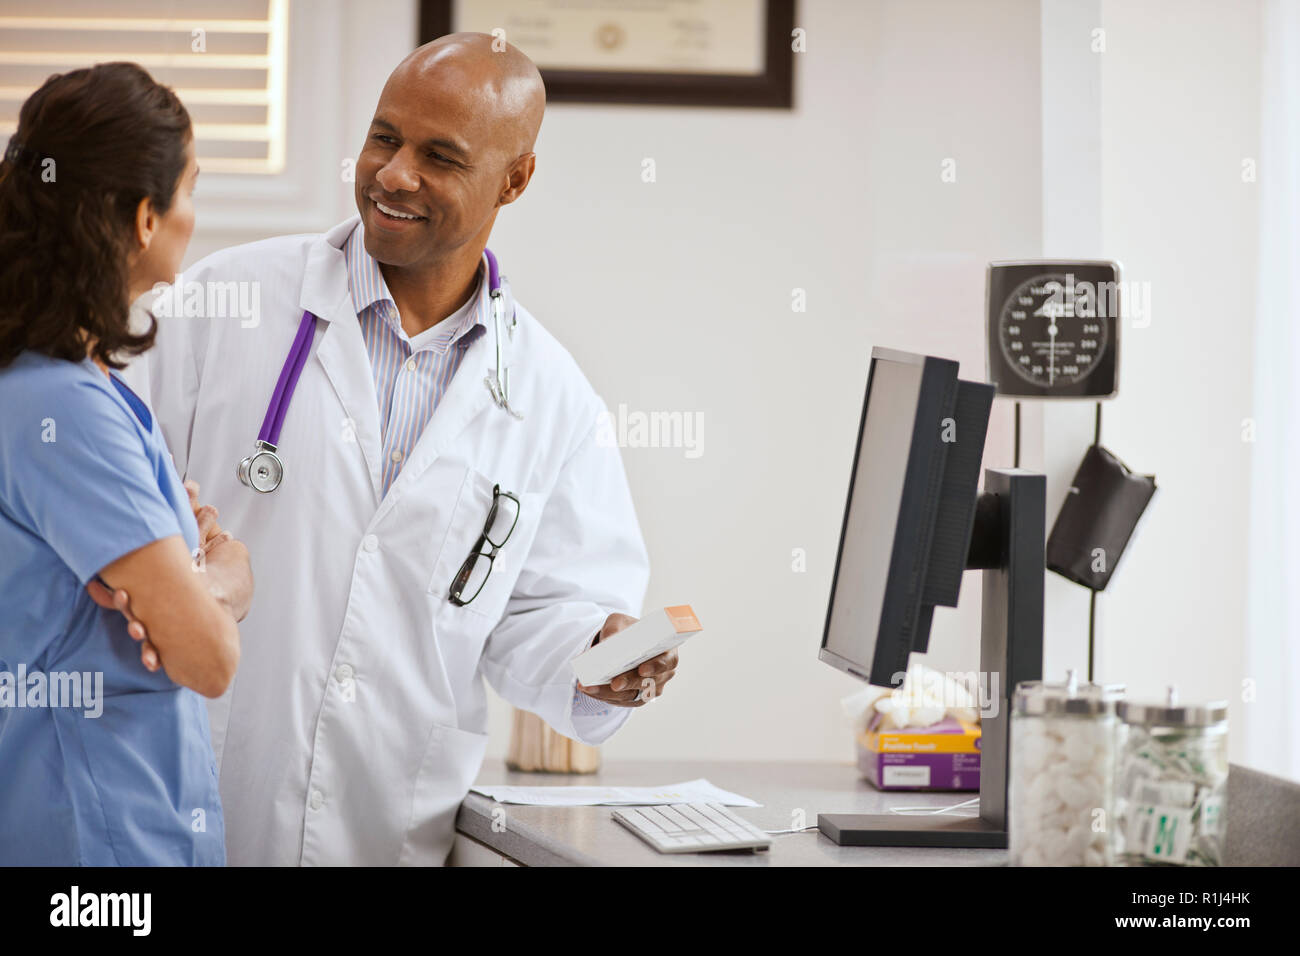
(867, 544)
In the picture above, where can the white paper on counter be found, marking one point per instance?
(692, 791)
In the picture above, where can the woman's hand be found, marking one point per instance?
(230, 575)
(119, 600)
(232, 580)
(220, 555)
(206, 517)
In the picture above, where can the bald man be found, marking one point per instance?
(418, 520)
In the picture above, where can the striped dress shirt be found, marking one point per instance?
(412, 373)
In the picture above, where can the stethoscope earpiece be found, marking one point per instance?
(500, 387)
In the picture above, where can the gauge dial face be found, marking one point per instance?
(1052, 332)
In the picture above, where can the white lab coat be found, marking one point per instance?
(356, 722)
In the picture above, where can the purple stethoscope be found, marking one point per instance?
(263, 470)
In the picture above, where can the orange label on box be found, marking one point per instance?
(917, 741)
(683, 619)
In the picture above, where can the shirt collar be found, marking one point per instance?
(368, 288)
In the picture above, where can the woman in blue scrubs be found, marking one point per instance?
(105, 757)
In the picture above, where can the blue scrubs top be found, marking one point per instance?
(85, 478)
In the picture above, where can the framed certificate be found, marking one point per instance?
(677, 52)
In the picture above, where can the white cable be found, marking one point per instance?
(972, 804)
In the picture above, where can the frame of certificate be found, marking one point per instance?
(674, 52)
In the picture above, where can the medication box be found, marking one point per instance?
(943, 756)
(649, 637)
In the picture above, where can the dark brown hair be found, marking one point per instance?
(90, 145)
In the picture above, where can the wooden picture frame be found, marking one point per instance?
(773, 88)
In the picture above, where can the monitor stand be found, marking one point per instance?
(1007, 543)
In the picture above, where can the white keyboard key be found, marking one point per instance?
(639, 821)
(676, 817)
(660, 820)
(721, 819)
(694, 815)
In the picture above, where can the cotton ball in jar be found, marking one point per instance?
(1041, 791)
(1079, 749)
(1074, 792)
(1033, 856)
(1076, 841)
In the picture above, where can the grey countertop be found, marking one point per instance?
(586, 836)
(1263, 818)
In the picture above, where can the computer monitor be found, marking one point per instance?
(911, 506)
(914, 521)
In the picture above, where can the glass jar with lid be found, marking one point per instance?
(1172, 783)
(1063, 739)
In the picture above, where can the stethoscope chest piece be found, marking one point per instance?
(262, 470)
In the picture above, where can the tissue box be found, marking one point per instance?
(943, 756)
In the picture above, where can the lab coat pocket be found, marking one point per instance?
(467, 524)
(451, 762)
(491, 602)
(467, 519)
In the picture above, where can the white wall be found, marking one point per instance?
(1146, 126)
(1181, 110)
(676, 296)
(1056, 433)
(1272, 723)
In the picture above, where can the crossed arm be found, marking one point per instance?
(183, 610)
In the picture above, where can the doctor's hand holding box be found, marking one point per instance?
(642, 658)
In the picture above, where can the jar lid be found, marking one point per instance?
(1037, 698)
(1170, 713)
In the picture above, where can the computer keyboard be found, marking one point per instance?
(692, 828)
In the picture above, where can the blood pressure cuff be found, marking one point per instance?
(1104, 504)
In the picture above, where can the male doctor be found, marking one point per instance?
(355, 724)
